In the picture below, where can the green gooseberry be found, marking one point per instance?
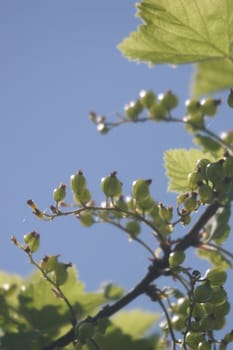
(111, 186)
(194, 180)
(59, 193)
(133, 228)
(78, 182)
(216, 276)
(147, 98)
(140, 189)
(176, 258)
(204, 345)
(192, 106)
(209, 106)
(215, 171)
(206, 194)
(203, 293)
(168, 100)
(32, 239)
(157, 112)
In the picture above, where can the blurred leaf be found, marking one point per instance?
(218, 228)
(113, 291)
(212, 76)
(116, 339)
(174, 32)
(178, 164)
(208, 145)
(215, 257)
(126, 321)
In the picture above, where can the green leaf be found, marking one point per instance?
(180, 32)
(215, 257)
(126, 321)
(115, 338)
(179, 163)
(211, 76)
(218, 228)
(208, 145)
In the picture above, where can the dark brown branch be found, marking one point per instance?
(192, 237)
(156, 269)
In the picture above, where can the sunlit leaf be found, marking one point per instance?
(180, 32)
(211, 76)
(178, 164)
(126, 321)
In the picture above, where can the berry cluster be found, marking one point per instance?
(209, 182)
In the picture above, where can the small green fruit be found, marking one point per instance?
(78, 182)
(194, 180)
(228, 166)
(192, 106)
(194, 338)
(190, 203)
(86, 219)
(111, 186)
(59, 193)
(176, 258)
(203, 293)
(215, 171)
(147, 98)
(216, 276)
(157, 112)
(168, 100)
(32, 239)
(49, 262)
(209, 106)
(133, 228)
(206, 194)
(133, 109)
(205, 345)
(140, 189)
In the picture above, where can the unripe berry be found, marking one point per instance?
(157, 112)
(78, 182)
(195, 122)
(49, 262)
(209, 106)
(168, 100)
(111, 186)
(147, 98)
(133, 109)
(192, 106)
(216, 276)
(194, 338)
(32, 239)
(203, 293)
(176, 258)
(201, 165)
(165, 212)
(205, 345)
(190, 203)
(194, 180)
(206, 194)
(59, 193)
(133, 228)
(215, 171)
(140, 189)
(86, 219)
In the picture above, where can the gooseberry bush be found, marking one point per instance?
(52, 310)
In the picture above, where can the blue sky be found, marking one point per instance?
(59, 61)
